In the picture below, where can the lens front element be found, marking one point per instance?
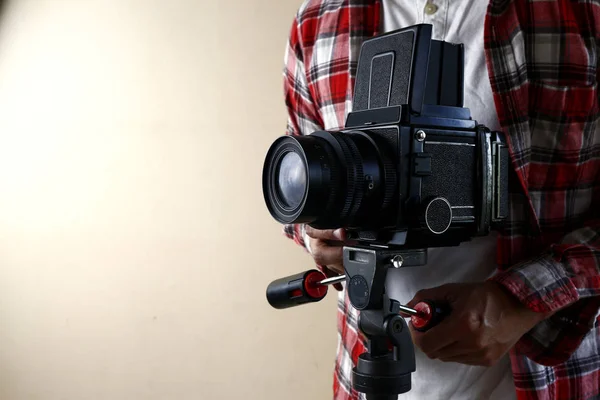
(291, 180)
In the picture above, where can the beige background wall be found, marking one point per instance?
(135, 247)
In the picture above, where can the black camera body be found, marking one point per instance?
(410, 169)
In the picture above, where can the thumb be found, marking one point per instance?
(340, 234)
(443, 293)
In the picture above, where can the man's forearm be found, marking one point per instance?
(564, 285)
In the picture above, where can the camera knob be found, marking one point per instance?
(438, 215)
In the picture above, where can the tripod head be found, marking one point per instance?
(384, 370)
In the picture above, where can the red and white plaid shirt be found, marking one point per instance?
(542, 59)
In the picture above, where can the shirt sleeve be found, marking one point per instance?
(565, 283)
(303, 116)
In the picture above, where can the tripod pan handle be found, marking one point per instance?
(297, 289)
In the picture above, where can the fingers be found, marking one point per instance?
(328, 234)
(484, 357)
(468, 344)
(326, 248)
(446, 332)
(337, 268)
(435, 339)
(325, 254)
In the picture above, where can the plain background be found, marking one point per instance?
(135, 246)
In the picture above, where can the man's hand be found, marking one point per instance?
(485, 322)
(326, 247)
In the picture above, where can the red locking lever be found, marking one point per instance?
(428, 314)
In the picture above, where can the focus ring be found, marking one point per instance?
(350, 178)
(334, 176)
(355, 199)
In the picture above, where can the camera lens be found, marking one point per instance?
(328, 179)
(291, 181)
(299, 178)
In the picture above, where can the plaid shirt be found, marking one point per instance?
(542, 59)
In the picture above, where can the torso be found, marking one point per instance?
(474, 261)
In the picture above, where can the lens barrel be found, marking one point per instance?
(328, 179)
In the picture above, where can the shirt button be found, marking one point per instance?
(430, 8)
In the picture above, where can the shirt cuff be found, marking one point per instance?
(541, 284)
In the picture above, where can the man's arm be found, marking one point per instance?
(543, 307)
(565, 282)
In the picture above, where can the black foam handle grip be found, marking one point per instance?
(296, 290)
(432, 313)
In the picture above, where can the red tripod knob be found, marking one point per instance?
(429, 315)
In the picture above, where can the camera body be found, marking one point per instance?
(411, 169)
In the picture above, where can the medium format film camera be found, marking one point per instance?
(410, 170)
